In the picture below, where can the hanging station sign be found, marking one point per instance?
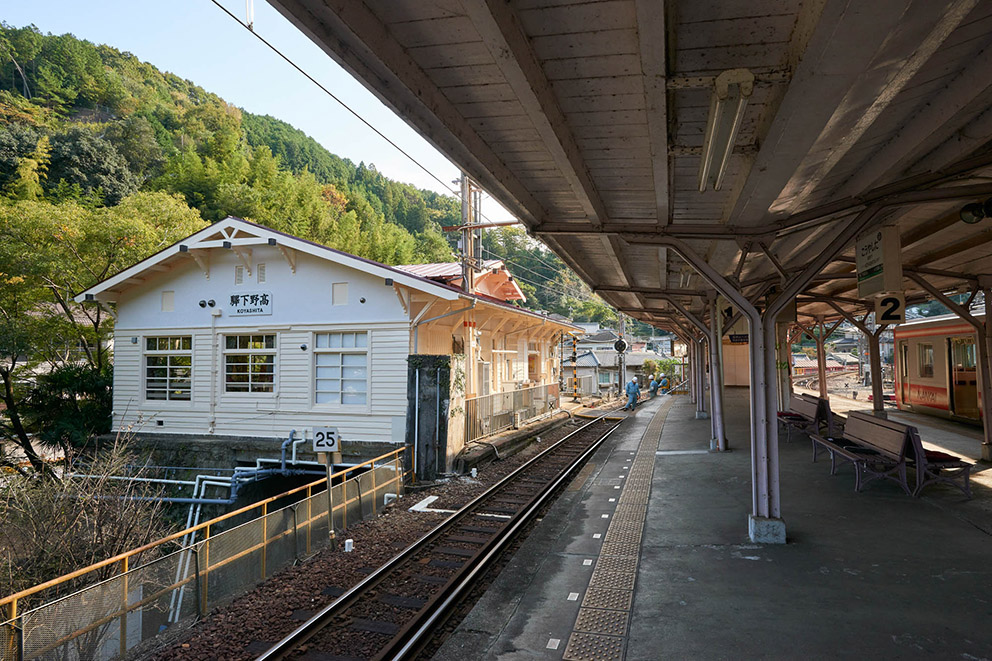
(878, 257)
(250, 304)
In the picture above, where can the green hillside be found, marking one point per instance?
(89, 126)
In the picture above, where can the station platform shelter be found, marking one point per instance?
(876, 574)
(706, 165)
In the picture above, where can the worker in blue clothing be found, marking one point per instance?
(633, 391)
(664, 385)
(653, 387)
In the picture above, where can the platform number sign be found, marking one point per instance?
(326, 439)
(890, 308)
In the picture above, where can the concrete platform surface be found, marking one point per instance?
(870, 575)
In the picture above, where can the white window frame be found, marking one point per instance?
(328, 350)
(251, 351)
(168, 352)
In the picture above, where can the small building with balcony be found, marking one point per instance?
(243, 332)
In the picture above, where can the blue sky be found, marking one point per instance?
(195, 40)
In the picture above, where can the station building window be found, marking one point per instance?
(926, 360)
(342, 372)
(249, 363)
(169, 368)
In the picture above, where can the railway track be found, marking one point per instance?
(395, 611)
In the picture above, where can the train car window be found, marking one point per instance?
(926, 360)
(964, 353)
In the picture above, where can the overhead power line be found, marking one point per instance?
(250, 28)
(326, 91)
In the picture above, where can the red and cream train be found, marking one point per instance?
(936, 370)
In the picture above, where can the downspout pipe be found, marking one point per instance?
(416, 326)
(282, 450)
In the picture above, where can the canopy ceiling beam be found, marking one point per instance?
(652, 35)
(504, 36)
(348, 31)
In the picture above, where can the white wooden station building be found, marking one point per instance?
(245, 332)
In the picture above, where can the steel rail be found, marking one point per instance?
(400, 648)
(285, 647)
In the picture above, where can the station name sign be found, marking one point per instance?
(250, 304)
(878, 257)
(738, 338)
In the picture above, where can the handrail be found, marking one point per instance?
(510, 392)
(128, 554)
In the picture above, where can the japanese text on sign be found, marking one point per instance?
(254, 303)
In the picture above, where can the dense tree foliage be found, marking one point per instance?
(91, 125)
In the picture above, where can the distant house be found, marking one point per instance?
(241, 331)
(492, 280)
(601, 340)
(803, 364)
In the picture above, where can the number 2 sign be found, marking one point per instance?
(890, 308)
(326, 439)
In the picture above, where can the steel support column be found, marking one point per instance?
(700, 350)
(783, 365)
(719, 440)
(874, 357)
(765, 524)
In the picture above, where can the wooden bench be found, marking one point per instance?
(881, 448)
(807, 414)
(877, 448)
(936, 466)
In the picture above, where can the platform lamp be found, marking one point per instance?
(731, 90)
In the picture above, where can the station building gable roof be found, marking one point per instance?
(237, 234)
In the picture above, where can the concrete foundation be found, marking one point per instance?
(763, 530)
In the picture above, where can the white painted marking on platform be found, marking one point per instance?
(613, 500)
(633, 453)
(621, 477)
(628, 460)
(424, 504)
(606, 516)
(682, 452)
(617, 487)
(573, 596)
(553, 643)
(587, 562)
(597, 535)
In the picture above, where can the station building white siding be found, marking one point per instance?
(301, 307)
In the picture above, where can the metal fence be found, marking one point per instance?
(490, 414)
(584, 385)
(123, 614)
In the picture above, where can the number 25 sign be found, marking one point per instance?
(326, 439)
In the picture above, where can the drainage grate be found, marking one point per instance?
(593, 647)
(594, 620)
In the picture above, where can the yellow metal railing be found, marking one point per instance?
(486, 415)
(153, 596)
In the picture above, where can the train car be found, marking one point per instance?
(936, 368)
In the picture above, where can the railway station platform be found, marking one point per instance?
(876, 574)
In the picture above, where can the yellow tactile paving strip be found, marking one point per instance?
(601, 627)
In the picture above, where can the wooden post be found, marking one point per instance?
(324, 458)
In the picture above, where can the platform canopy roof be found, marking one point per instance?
(588, 120)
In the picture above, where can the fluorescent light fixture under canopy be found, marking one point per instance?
(731, 91)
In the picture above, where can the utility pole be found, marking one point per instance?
(622, 358)
(468, 236)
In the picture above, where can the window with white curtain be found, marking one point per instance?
(342, 371)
